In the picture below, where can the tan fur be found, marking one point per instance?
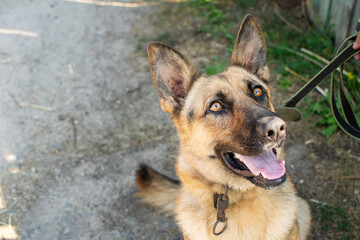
(254, 212)
(156, 190)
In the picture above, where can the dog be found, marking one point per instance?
(233, 182)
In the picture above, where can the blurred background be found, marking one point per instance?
(79, 111)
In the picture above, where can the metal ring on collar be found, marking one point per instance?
(215, 225)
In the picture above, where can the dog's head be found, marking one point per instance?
(227, 126)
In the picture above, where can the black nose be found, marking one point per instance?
(272, 129)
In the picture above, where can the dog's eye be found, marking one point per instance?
(216, 107)
(258, 92)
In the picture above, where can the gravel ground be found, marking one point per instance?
(67, 167)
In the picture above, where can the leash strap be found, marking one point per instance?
(349, 125)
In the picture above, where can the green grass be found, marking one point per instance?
(210, 11)
(334, 218)
(321, 107)
(217, 66)
(166, 38)
(285, 82)
(217, 24)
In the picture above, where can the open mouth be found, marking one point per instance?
(264, 170)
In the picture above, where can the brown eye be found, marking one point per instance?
(215, 107)
(258, 92)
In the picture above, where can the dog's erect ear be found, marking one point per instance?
(250, 49)
(172, 75)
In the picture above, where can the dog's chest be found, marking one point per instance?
(249, 219)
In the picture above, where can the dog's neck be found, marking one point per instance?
(202, 189)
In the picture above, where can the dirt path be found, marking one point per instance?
(68, 169)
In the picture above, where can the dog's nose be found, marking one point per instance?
(271, 128)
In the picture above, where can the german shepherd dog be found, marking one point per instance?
(231, 148)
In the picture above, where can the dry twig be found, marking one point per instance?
(320, 90)
(318, 202)
(74, 123)
(38, 107)
(324, 60)
(122, 4)
(2, 200)
(18, 32)
(299, 54)
(2, 211)
(10, 59)
(350, 177)
(70, 68)
(34, 106)
(277, 12)
(114, 4)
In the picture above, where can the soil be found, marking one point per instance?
(79, 113)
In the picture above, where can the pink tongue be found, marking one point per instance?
(267, 164)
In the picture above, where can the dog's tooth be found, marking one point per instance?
(263, 176)
(237, 156)
(283, 162)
